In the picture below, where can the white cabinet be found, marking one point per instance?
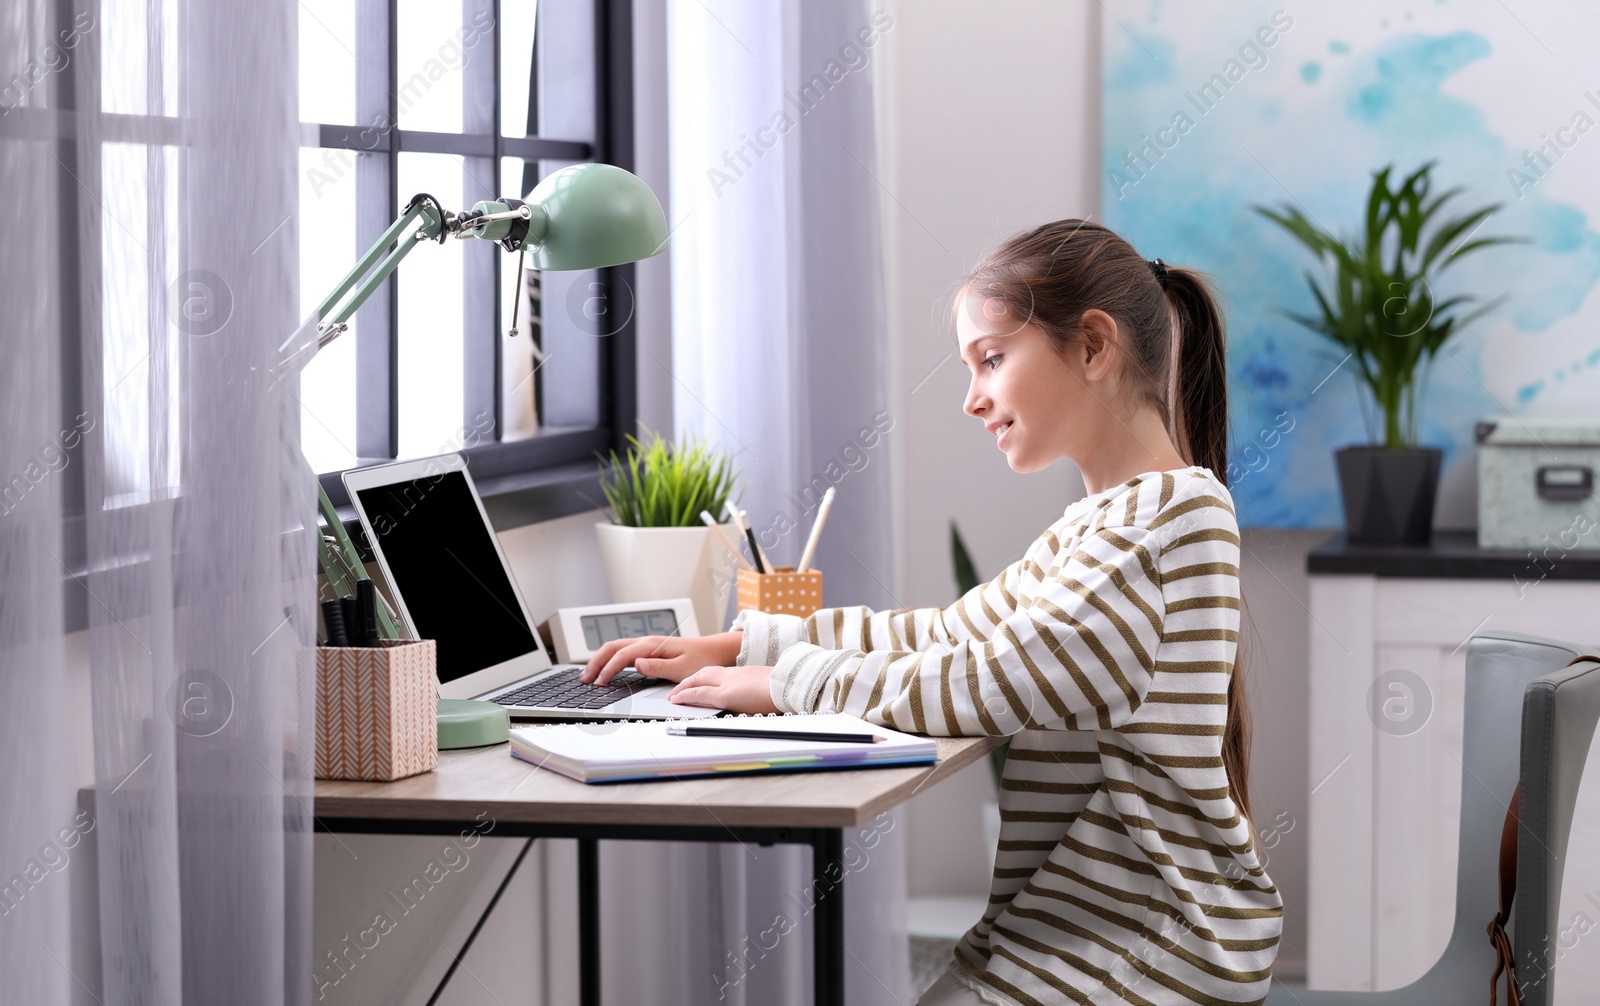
(1388, 656)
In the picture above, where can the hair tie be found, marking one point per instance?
(1160, 269)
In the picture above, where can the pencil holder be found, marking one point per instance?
(377, 709)
(781, 592)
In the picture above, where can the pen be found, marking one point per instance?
(690, 730)
(710, 521)
(816, 531)
(352, 620)
(367, 606)
(761, 557)
(333, 622)
(737, 517)
(775, 734)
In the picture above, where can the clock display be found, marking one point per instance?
(601, 629)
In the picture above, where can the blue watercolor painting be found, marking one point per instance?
(1211, 108)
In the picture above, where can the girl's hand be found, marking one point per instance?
(672, 658)
(736, 689)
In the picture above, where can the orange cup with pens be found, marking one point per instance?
(781, 590)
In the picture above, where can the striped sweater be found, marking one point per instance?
(1125, 871)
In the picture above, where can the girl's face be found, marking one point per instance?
(1027, 395)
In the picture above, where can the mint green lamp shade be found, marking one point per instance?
(586, 216)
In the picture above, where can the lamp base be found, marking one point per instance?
(469, 723)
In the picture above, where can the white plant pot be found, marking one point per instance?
(659, 563)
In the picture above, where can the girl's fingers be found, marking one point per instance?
(689, 681)
(698, 696)
(624, 656)
(703, 678)
(600, 657)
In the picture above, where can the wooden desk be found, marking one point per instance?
(807, 808)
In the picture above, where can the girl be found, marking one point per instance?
(1127, 870)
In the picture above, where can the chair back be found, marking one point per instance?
(1559, 714)
(1500, 667)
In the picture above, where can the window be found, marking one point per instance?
(465, 102)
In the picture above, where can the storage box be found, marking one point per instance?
(781, 592)
(1536, 484)
(377, 711)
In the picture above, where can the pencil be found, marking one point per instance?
(816, 531)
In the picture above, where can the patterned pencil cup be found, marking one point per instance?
(377, 711)
(781, 592)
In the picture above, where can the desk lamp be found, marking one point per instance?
(584, 216)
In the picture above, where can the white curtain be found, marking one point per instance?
(157, 497)
(778, 354)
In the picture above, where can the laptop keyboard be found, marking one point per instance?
(565, 691)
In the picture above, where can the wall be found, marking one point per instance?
(989, 124)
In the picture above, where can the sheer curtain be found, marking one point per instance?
(156, 496)
(778, 354)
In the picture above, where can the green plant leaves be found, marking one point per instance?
(664, 485)
(1385, 313)
(966, 573)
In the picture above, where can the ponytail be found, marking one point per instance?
(1198, 391)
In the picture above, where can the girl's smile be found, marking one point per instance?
(1017, 384)
(1042, 403)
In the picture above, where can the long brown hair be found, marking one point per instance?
(1054, 273)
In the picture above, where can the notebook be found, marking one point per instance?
(629, 750)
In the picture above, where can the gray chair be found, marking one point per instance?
(1559, 713)
(1500, 667)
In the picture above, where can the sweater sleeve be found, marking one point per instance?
(859, 629)
(1078, 654)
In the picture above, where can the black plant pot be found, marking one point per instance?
(1388, 495)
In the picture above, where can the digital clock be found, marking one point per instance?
(578, 633)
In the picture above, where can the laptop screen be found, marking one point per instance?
(445, 565)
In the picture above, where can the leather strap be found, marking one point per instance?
(1504, 957)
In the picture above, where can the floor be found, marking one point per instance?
(929, 957)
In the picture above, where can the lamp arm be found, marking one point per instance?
(510, 222)
(333, 323)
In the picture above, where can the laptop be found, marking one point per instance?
(451, 583)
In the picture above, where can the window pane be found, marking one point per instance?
(139, 264)
(328, 62)
(327, 252)
(431, 400)
(125, 54)
(433, 45)
(567, 72)
(577, 312)
(520, 383)
(516, 60)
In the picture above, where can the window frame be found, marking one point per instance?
(553, 472)
(550, 475)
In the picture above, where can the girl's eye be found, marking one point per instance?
(992, 361)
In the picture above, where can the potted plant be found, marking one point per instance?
(1379, 307)
(655, 546)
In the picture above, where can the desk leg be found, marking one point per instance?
(827, 958)
(589, 921)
